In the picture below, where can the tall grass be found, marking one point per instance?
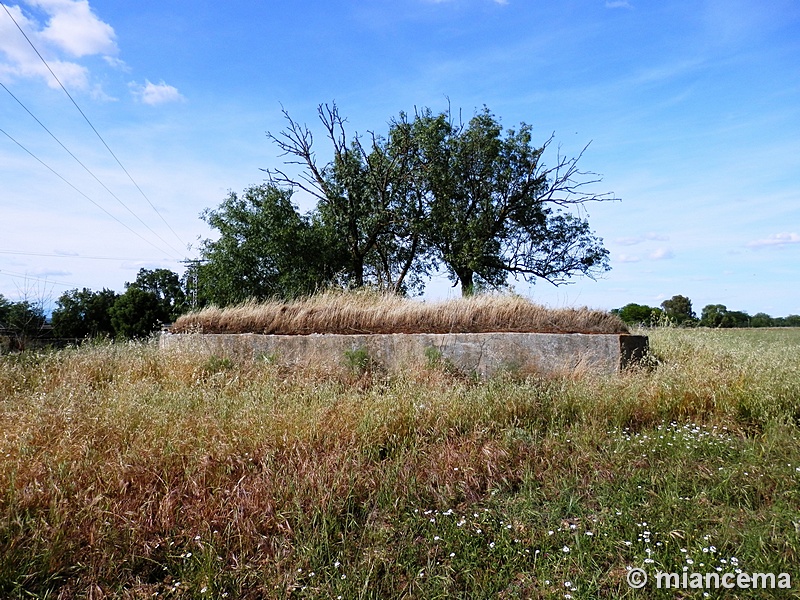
(128, 472)
(369, 312)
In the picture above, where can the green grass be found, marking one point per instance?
(127, 472)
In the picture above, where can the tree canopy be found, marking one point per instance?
(494, 209)
(639, 314)
(265, 249)
(84, 313)
(679, 310)
(470, 197)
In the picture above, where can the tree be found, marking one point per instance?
(761, 319)
(367, 200)
(84, 313)
(714, 315)
(738, 318)
(495, 209)
(25, 319)
(638, 314)
(792, 321)
(166, 285)
(265, 249)
(679, 310)
(718, 315)
(137, 313)
(5, 311)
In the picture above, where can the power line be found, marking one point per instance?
(45, 165)
(77, 256)
(125, 206)
(97, 133)
(24, 276)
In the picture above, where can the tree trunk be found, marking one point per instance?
(466, 281)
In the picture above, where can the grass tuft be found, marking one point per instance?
(369, 312)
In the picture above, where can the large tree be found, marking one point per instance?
(137, 313)
(638, 314)
(166, 285)
(367, 199)
(678, 309)
(265, 249)
(471, 196)
(84, 313)
(494, 208)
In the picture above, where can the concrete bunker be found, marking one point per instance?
(481, 334)
(482, 353)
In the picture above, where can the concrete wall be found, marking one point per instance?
(482, 353)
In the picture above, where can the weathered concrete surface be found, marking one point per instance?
(482, 353)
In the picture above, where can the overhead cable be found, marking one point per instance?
(49, 168)
(67, 150)
(97, 133)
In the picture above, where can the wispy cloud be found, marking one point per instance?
(618, 4)
(648, 237)
(47, 273)
(661, 254)
(156, 93)
(626, 258)
(71, 30)
(778, 240)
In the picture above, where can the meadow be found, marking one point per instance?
(129, 472)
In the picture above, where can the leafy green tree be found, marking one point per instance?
(84, 313)
(367, 200)
(265, 249)
(25, 319)
(738, 318)
(679, 310)
(761, 319)
(137, 313)
(5, 311)
(166, 285)
(792, 321)
(718, 315)
(495, 209)
(638, 314)
(714, 315)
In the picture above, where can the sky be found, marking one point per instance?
(690, 109)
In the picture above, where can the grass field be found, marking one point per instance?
(126, 472)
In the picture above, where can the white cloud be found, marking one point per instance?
(72, 31)
(777, 239)
(618, 4)
(117, 63)
(648, 237)
(73, 27)
(626, 258)
(661, 254)
(47, 273)
(628, 241)
(156, 93)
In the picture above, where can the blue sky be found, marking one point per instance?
(691, 109)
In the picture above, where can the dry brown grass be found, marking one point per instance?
(360, 313)
(131, 472)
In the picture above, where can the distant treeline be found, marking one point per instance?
(156, 297)
(678, 310)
